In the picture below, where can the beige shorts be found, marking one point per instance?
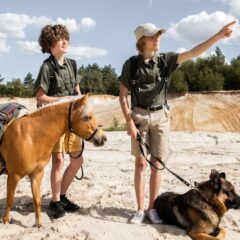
(154, 128)
(71, 144)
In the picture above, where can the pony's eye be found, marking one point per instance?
(87, 118)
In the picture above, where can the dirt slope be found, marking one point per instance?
(216, 112)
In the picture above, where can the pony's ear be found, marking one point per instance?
(85, 99)
(81, 102)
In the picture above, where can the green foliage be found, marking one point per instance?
(209, 80)
(28, 80)
(29, 85)
(98, 80)
(204, 74)
(232, 75)
(110, 81)
(1, 78)
(16, 88)
(178, 83)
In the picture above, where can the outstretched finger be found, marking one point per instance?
(230, 24)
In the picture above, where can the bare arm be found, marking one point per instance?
(42, 97)
(203, 47)
(132, 130)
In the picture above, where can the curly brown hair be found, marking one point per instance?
(50, 35)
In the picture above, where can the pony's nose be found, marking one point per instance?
(104, 138)
(99, 140)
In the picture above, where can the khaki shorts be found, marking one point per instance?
(74, 144)
(154, 128)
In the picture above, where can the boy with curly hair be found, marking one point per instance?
(57, 79)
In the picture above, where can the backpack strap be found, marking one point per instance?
(52, 77)
(163, 71)
(74, 66)
(134, 79)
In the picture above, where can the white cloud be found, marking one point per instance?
(3, 35)
(40, 21)
(87, 23)
(3, 46)
(14, 24)
(85, 52)
(199, 27)
(29, 47)
(234, 5)
(181, 50)
(70, 23)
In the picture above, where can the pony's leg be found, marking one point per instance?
(36, 179)
(12, 181)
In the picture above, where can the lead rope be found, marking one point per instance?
(141, 144)
(69, 132)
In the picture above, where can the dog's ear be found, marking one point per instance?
(223, 175)
(214, 174)
(215, 180)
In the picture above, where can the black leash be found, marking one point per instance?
(141, 144)
(75, 157)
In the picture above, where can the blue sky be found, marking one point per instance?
(101, 31)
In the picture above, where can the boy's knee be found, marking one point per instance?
(140, 163)
(57, 161)
(76, 162)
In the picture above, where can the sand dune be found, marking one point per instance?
(215, 112)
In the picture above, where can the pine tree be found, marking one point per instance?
(1, 78)
(28, 80)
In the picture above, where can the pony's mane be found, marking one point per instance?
(47, 107)
(87, 108)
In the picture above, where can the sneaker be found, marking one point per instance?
(68, 205)
(57, 209)
(153, 216)
(138, 217)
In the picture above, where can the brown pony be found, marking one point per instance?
(28, 142)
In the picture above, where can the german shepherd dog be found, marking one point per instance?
(200, 210)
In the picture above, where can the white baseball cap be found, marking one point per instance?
(147, 30)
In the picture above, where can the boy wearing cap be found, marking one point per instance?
(150, 114)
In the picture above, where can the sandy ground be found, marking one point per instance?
(106, 193)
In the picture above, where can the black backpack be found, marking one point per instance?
(52, 69)
(163, 73)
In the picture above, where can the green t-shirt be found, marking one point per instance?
(149, 78)
(60, 81)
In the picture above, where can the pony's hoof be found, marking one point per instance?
(5, 220)
(38, 225)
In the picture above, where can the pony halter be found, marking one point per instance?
(70, 128)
